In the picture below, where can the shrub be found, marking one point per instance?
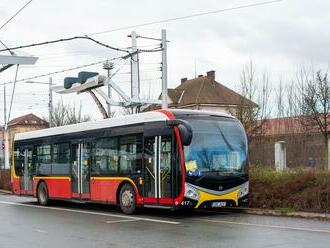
(5, 180)
(299, 190)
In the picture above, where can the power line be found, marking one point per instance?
(139, 25)
(185, 17)
(61, 71)
(6, 47)
(17, 12)
(63, 40)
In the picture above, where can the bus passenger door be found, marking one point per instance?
(80, 172)
(158, 171)
(27, 182)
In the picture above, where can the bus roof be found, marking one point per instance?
(111, 122)
(179, 112)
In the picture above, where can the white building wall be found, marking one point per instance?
(222, 109)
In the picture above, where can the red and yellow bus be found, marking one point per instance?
(164, 159)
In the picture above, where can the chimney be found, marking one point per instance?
(211, 75)
(183, 80)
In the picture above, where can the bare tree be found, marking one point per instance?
(66, 114)
(280, 97)
(254, 107)
(316, 106)
(58, 115)
(292, 107)
(74, 115)
(131, 110)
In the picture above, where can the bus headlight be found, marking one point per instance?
(244, 190)
(191, 192)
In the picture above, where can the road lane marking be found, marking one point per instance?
(40, 231)
(119, 221)
(92, 213)
(267, 226)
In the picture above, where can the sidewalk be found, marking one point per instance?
(6, 192)
(271, 212)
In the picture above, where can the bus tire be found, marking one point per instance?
(42, 194)
(127, 199)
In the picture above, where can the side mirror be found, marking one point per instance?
(185, 130)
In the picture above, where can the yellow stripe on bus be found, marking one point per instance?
(50, 177)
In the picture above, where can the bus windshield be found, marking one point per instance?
(218, 146)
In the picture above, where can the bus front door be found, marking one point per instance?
(80, 175)
(158, 175)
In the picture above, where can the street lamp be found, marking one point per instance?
(50, 98)
(108, 66)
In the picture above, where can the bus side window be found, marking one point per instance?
(19, 161)
(105, 156)
(43, 159)
(130, 153)
(61, 159)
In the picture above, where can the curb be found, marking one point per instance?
(306, 215)
(7, 192)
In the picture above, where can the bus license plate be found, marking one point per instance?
(218, 204)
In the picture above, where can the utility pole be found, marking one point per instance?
(5, 130)
(164, 70)
(5, 125)
(108, 66)
(50, 102)
(135, 87)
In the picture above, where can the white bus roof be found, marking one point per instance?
(107, 123)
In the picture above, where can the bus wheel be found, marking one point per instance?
(42, 194)
(127, 198)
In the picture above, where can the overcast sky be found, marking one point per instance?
(278, 38)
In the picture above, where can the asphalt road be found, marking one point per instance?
(25, 224)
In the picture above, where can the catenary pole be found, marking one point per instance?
(50, 102)
(135, 86)
(5, 129)
(164, 70)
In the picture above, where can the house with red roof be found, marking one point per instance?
(22, 124)
(204, 93)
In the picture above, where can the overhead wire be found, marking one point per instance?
(16, 13)
(61, 71)
(87, 36)
(63, 40)
(11, 53)
(113, 30)
(185, 17)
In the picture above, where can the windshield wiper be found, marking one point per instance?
(211, 173)
(231, 173)
(203, 176)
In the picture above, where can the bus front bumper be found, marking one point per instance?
(203, 199)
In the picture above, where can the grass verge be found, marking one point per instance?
(291, 190)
